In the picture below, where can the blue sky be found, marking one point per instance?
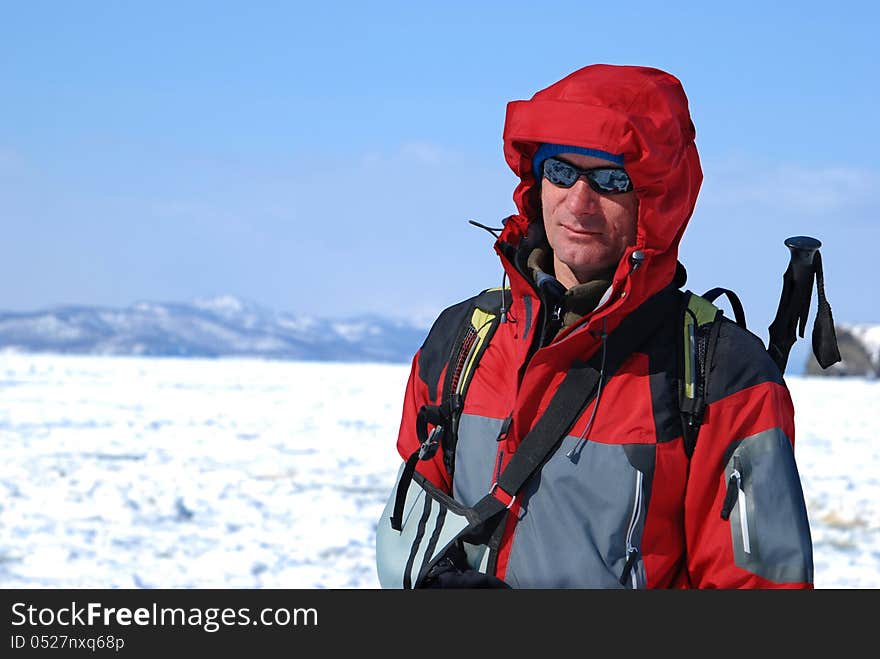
(324, 158)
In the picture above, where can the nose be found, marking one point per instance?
(581, 198)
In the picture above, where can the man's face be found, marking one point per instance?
(588, 231)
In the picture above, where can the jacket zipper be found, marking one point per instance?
(743, 512)
(736, 494)
(632, 552)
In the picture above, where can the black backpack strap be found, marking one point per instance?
(400, 496)
(577, 390)
(738, 313)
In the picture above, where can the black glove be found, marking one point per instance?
(452, 571)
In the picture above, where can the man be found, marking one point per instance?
(609, 176)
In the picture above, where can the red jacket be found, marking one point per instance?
(632, 509)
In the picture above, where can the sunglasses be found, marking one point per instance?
(604, 180)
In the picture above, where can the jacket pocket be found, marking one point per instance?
(577, 521)
(765, 507)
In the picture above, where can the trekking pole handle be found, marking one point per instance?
(803, 249)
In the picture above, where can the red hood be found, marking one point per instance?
(636, 111)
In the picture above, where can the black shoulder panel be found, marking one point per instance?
(740, 361)
(490, 300)
(664, 359)
(436, 349)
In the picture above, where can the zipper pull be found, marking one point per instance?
(732, 493)
(632, 553)
(574, 454)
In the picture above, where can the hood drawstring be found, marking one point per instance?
(496, 232)
(575, 453)
(638, 258)
(503, 299)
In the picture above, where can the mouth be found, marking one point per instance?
(579, 231)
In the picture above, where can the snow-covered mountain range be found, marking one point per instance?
(228, 326)
(221, 326)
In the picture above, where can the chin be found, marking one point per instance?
(581, 264)
(579, 261)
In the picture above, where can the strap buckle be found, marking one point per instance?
(501, 499)
(428, 448)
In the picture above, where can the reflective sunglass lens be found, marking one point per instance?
(611, 180)
(606, 180)
(560, 173)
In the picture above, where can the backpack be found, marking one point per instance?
(422, 526)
